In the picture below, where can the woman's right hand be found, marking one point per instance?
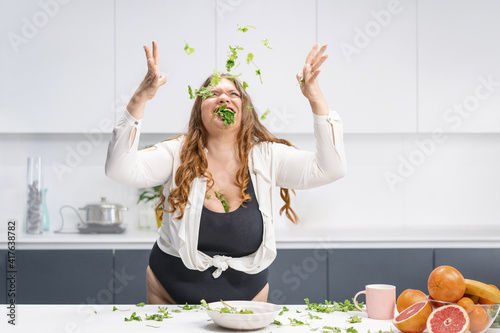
(153, 80)
(149, 86)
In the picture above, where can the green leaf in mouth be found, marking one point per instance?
(226, 115)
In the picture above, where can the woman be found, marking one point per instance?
(217, 236)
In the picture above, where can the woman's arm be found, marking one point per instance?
(300, 169)
(124, 163)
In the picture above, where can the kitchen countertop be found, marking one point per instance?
(290, 237)
(82, 318)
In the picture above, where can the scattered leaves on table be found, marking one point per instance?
(330, 306)
(354, 319)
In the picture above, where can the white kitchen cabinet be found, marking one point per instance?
(459, 67)
(170, 24)
(370, 75)
(57, 65)
(290, 30)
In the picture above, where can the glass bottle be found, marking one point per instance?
(34, 211)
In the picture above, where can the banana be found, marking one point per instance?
(483, 290)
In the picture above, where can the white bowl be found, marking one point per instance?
(263, 314)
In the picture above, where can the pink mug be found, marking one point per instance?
(380, 301)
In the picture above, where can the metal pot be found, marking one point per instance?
(104, 213)
(102, 217)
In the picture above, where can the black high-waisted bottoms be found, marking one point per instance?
(235, 234)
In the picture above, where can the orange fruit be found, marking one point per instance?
(446, 284)
(479, 319)
(474, 298)
(414, 318)
(449, 318)
(483, 300)
(409, 297)
(467, 304)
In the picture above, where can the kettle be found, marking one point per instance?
(98, 214)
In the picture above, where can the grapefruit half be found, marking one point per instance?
(448, 319)
(414, 318)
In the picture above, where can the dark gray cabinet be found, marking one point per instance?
(130, 276)
(297, 274)
(349, 270)
(119, 277)
(65, 276)
(3, 276)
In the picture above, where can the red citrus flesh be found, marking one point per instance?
(448, 319)
(414, 318)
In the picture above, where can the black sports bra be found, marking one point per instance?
(236, 234)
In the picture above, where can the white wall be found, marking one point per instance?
(456, 186)
(392, 95)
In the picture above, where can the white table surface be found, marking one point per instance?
(82, 318)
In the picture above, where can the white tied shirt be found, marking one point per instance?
(271, 166)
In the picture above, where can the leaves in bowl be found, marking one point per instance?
(226, 309)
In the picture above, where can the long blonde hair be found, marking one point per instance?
(194, 162)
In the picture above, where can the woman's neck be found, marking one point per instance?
(222, 148)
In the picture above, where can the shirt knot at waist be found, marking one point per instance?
(220, 262)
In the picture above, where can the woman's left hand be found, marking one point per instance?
(307, 78)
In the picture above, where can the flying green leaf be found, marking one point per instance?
(249, 58)
(232, 56)
(265, 41)
(187, 49)
(265, 114)
(190, 91)
(245, 28)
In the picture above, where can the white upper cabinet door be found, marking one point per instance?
(459, 66)
(371, 71)
(171, 24)
(57, 66)
(289, 27)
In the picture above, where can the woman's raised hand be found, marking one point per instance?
(308, 82)
(153, 80)
(148, 87)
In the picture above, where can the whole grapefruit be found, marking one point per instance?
(414, 318)
(409, 297)
(449, 318)
(446, 284)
